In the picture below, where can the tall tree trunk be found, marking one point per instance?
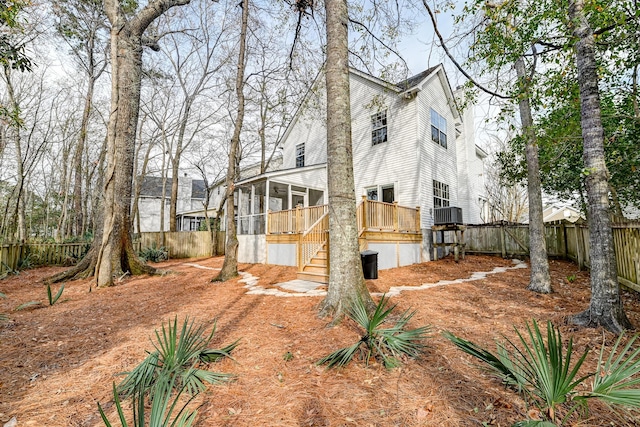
(79, 153)
(113, 253)
(605, 308)
(20, 232)
(230, 265)
(346, 282)
(540, 280)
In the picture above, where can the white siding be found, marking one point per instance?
(309, 127)
(470, 172)
(436, 162)
(387, 162)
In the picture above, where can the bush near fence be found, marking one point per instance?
(182, 244)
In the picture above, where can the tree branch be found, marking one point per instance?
(455, 62)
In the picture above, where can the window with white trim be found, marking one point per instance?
(300, 155)
(387, 192)
(438, 129)
(440, 194)
(379, 128)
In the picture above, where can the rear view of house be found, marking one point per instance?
(413, 152)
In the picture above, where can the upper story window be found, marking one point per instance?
(379, 128)
(438, 129)
(300, 155)
(440, 194)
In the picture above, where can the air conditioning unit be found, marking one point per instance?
(448, 215)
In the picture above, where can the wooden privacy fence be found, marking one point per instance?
(182, 244)
(16, 256)
(564, 240)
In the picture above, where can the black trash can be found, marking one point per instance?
(369, 264)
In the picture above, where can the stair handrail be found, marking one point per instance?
(308, 247)
(312, 226)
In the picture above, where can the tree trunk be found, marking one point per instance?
(20, 232)
(346, 282)
(605, 308)
(230, 265)
(77, 158)
(540, 280)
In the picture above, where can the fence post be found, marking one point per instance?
(395, 216)
(364, 213)
(503, 243)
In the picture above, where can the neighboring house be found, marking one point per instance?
(558, 212)
(411, 148)
(191, 195)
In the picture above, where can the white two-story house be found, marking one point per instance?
(412, 148)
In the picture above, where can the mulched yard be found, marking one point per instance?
(57, 362)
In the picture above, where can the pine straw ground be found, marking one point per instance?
(57, 363)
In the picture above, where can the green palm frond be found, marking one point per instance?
(178, 354)
(543, 371)
(387, 344)
(616, 377)
(340, 357)
(500, 365)
(163, 404)
(54, 299)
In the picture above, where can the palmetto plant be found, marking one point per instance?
(166, 410)
(170, 377)
(387, 344)
(543, 372)
(179, 355)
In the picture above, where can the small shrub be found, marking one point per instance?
(543, 373)
(385, 344)
(154, 254)
(167, 374)
(54, 299)
(178, 355)
(571, 278)
(37, 304)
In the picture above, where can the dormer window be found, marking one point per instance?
(379, 128)
(438, 129)
(300, 155)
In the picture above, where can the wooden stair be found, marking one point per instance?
(316, 270)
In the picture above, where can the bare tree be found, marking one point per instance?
(112, 253)
(83, 25)
(230, 265)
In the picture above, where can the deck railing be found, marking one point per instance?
(296, 220)
(390, 217)
(371, 216)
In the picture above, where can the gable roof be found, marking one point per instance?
(152, 187)
(403, 86)
(415, 80)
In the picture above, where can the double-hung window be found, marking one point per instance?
(300, 155)
(440, 194)
(438, 129)
(379, 128)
